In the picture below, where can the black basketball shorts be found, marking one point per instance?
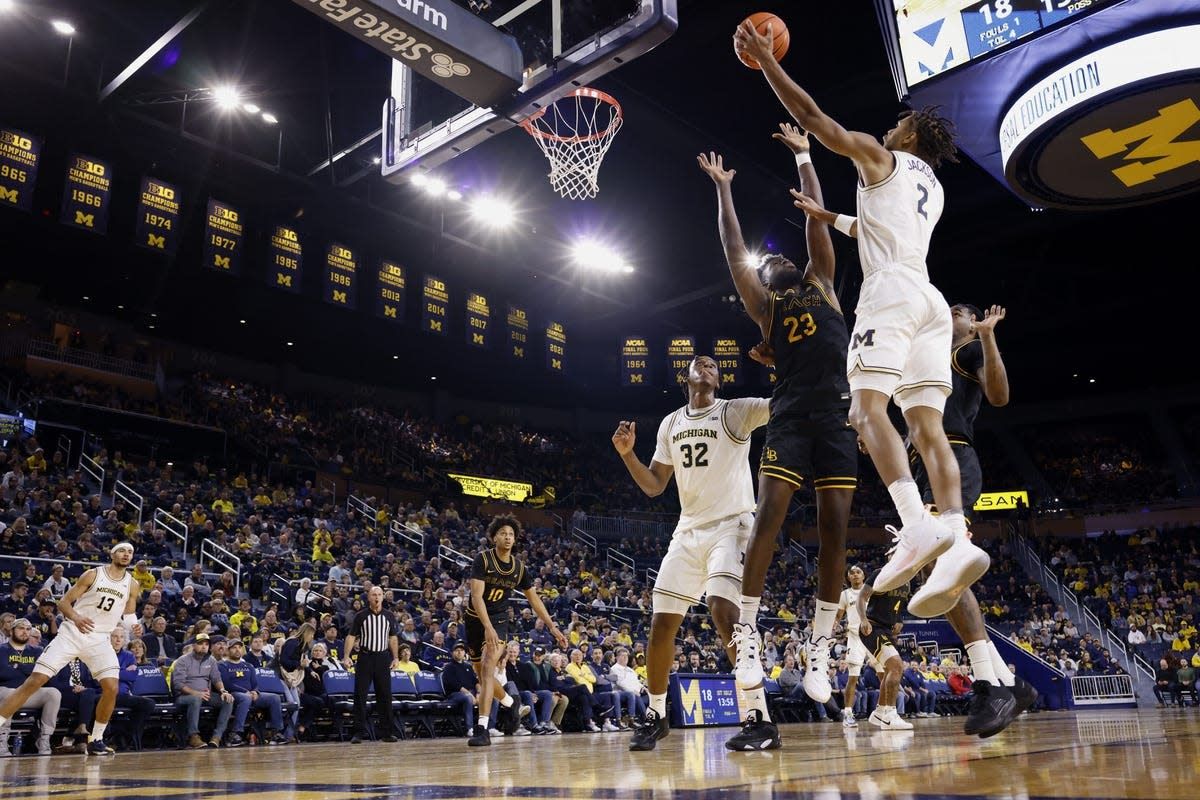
(475, 635)
(818, 446)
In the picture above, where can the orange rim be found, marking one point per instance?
(584, 91)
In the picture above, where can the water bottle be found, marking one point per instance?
(17, 743)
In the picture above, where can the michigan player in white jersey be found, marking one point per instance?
(856, 653)
(706, 446)
(903, 328)
(100, 600)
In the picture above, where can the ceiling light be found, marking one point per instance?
(120, 308)
(433, 377)
(290, 344)
(596, 257)
(495, 212)
(250, 108)
(436, 187)
(419, 179)
(85, 297)
(63, 27)
(376, 160)
(395, 357)
(1091, 380)
(454, 194)
(269, 118)
(226, 97)
(7, 5)
(242, 321)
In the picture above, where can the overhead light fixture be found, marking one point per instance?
(63, 27)
(595, 257)
(250, 108)
(376, 160)
(395, 357)
(494, 212)
(120, 308)
(269, 118)
(85, 297)
(290, 344)
(7, 5)
(454, 194)
(242, 321)
(433, 377)
(419, 179)
(226, 97)
(436, 187)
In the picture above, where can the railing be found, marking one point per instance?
(558, 524)
(1091, 620)
(651, 575)
(89, 564)
(332, 489)
(616, 555)
(123, 491)
(801, 551)
(409, 533)
(172, 525)
(64, 447)
(582, 536)
(1115, 645)
(220, 556)
(627, 528)
(457, 556)
(41, 348)
(1143, 666)
(355, 503)
(1102, 689)
(93, 469)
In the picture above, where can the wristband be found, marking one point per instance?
(844, 223)
(803, 158)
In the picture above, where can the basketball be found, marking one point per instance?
(760, 21)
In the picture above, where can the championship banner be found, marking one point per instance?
(680, 352)
(287, 259)
(479, 319)
(635, 361)
(19, 157)
(514, 491)
(85, 199)
(436, 301)
(556, 346)
(158, 216)
(341, 264)
(393, 281)
(729, 361)
(223, 231)
(518, 331)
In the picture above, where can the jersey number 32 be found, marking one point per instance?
(698, 458)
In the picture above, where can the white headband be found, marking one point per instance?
(121, 546)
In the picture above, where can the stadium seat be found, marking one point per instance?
(339, 695)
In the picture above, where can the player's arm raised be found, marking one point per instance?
(865, 150)
(737, 255)
(993, 376)
(652, 480)
(822, 260)
(66, 604)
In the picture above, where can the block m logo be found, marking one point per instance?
(1159, 151)
(8, 195)
(339, 297)
(477, 338)
(153, 240)
(865, 339)
(283, 280)
(931, 47)
(389, 312)
(86, 220)
(221, 262)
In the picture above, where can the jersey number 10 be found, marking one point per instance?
(495, 595)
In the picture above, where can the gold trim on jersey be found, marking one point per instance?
(779, 473)
(728, 432)
(735, 576)
(836, 486)
(692, 600)
(895, 171)
(954, 362)
(824, 294)
(859, 365)
(700, 414)
(496, 563)
(836, 482)
(922, 385)
(770, 317)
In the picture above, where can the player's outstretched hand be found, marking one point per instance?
(806, 204)
(85, 624)
(987, 326)
(625, 437)
(865, 628)
(763, 353)
(794, 137)
(748, 41)
(714, 165)
(561, 638)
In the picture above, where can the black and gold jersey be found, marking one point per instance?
(499, 579)
(884, 608)
(808, 334)
(962, 406)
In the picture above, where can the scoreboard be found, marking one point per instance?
(702, 699)
(935, 36)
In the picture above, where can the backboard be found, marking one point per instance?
(564, 44)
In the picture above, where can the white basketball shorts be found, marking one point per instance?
(856, 654)
(703, 561)
(94, 649)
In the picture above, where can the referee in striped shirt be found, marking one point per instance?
(374, 631)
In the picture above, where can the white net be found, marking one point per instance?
(574, 133)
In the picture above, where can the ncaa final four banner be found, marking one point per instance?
(680, 352)
(479, 319)
(341, 266)
(556, 346)
(87, 194)
(287, 259)
(223, 231)
(434, 306)
(635, 361)
(157, 226)
(729, 360)
(389, 302)
(20, 154)
(518, 331)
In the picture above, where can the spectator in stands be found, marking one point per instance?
(340, 572)
(143, 576)
(305, 594)
(6, 622)
(140, 708)
(257, 657)
(960, 682)
(1166, 684)
(435, 653)
(925, 697)
(56, 583)
(170, 587)
(334, 644)
(241, 679)
(404, 662)
(160, 646)
(138, 648)
(577, 691)
(461, 685)
(46, 622)
(244, 617)
(18, 603)
(17, 658)
(149, 612)
(199, 584)
(193, 679)
(533, 679)
(1185, 676)
(628, 687)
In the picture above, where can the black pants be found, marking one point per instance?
(373, 668)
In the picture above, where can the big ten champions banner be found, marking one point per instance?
(635, 361)
(556, 346)
(435, 302)
(479, 319)
(19, 157)
(389, 302)
(341, 268)
(518, 331)
(223, 231)
(86, 197)
(286, 254)
(729, 361)
(680, 352)
(157, 226)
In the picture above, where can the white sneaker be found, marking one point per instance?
(552, 729)
(889, 720)
(43, 746)
(960, 566)
(609, 727)
(748, 670)
(816, 678)
(523, 731)
(523, 712)
(591, 726)
(493, 732)
(916, 546)
(848, 720)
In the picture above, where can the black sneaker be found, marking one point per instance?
(992, 709)
(646, 733)
(99, 748)
(1025, 693)
(481, 738)
(757, 734)
(390, 738)
(234, 740)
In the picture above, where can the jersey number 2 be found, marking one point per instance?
(106, 603)
(924, 199)
(701, 455)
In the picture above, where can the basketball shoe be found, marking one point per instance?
(816, 677)
(757, 734)
(954, 571)
(916, 546)
(647, 733)
(748, 670)
(886, 718)
(992, 709)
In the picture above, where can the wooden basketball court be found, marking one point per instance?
(1098, 754)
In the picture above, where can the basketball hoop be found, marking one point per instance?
(574, 133)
